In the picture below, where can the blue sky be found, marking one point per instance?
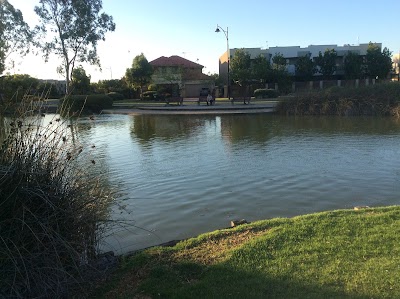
(187, 28)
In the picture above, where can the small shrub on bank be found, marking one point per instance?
(264, 93)
(53, 207)
(375, 100)
(86, 103)
(150, 95)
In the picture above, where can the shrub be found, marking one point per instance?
(16, 87)
(152, 87)
(53, 208)
(116, 96)
(150, 95)
(265, 93)
(86, 103)
(375, 100)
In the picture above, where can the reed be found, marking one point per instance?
(53, 208)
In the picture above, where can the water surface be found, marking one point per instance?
(179, 175)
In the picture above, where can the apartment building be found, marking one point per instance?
(292, 53)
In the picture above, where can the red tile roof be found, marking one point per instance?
(175, 61)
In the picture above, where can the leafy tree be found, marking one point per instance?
(106, 86)
(327, 62)
(379, 64)
(279, 62)
(16, 86)
(114, 85)
(15, 35)
(140, 72)
(240, 67)
(217, 79)
(261, 69)
(305, 67)
(280, 74)
(73, 28)
(48, 90)
(80, 82)
(241, 71)
(353, 65)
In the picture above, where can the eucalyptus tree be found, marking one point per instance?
(15, 34)
(71, 30)
(327, 62)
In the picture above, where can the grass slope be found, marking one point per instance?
(338, 254)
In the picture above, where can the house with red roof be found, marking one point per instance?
(179, 76)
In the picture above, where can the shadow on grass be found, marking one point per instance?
(339, 254)
(191, 280)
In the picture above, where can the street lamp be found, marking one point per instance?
(109, 68)
(219, 29)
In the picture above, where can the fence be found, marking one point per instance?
(322, 84)
(301, 86)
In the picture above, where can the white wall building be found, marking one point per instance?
(293, 52)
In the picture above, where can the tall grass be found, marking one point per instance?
(376, 100)
(53, 209)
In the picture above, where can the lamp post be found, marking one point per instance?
(219, 29)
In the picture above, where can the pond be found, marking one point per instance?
(179, 176)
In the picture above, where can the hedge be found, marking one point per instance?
(151, 95)
(85, 103)
(265, 93)
(116, 96)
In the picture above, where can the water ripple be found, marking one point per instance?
(180, 176)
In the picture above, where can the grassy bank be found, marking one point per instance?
(376, 100)
(338, 254)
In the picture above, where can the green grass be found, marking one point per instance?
(338, 254)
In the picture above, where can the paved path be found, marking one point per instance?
(194, 109)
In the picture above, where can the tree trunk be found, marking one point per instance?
(67, 79)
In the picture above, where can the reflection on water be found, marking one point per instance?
(148, 127)
(183, 175)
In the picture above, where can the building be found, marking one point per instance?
(179, 76)
(292, 53)
(60, 85)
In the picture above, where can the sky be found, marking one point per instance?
(187, 28)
